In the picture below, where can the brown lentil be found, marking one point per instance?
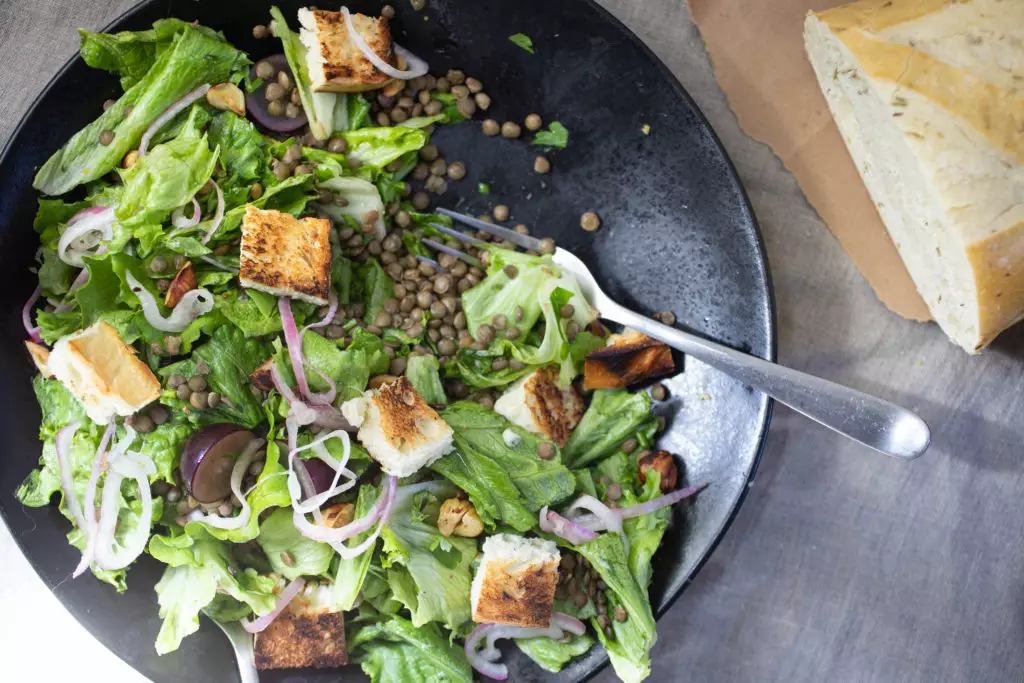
(666, 317)
(198, 399)
(260, 32)
(628, 446)
(533, 122)
(567, 311)
(501, 212)
(175, 381)
(213, 399)
(438, 167)
(197, 383)
(202, 368)
(590, 221)
(541, 164)
(483, 101)
(420, 201)
(659, 392)
(545, 450)
(337, 145)
(547, 246)
(429, 152)
(620, 613)
(499, 321)
(613, 492)
(397, 366)
(510, 129)
(256, 191)
(474, 85)
(106, 137)
(490, 127)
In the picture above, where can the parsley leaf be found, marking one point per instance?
(522, 40)
(556, 135)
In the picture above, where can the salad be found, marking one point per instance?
(266, 363)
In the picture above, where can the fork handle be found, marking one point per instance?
(878, 424)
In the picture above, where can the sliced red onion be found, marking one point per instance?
(62, 444)
(567, 623)
(283, 600)
(135, 541)
(595, 523)
(332, 310)
(218, 215)
(195, 303)
(315, 500)
(26, 316)
(89, 210)
(89, 505)
(611, 520)
(72, 247)
(419, 67)
(554, 523)
(178, 217)
(282, 387)
(293, 340)
(245, 459)
(169, 114)
(380, 511)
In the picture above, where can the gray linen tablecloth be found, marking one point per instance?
(842, 565)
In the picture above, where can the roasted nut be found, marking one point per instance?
(225, 96)
(130, 158)
(664, 464)
(183, 282)
(392, 88)
(459, 517)
(377, 381)
(41, 357)
(339, 514)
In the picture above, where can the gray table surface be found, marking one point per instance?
(842, 565)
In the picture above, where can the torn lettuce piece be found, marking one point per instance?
(422, 372)
(290, 553)
(393, 650)
(428, 573)
(495, 462)
(378, 147)
(552, 655)
(363, 200)
(629, 650)
(198, 569)
(376, 287)
(352, 573)
(195, 58)
(614, 415)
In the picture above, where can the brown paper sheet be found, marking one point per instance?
(757, 50)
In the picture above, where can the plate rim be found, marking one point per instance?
(771, 324)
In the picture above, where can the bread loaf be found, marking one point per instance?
(929, 97)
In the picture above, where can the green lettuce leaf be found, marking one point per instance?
(630, 648)
(378, 147)
(505, 482)
(250, 313)
(613, 416)
(352, 573)
(278, 536)
(195, 58)
(376, 287)
(429, 574)
(396, 651)
(552, 655)
(422, 372)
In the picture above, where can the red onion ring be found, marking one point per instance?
(611, 520)
(178, 217)
(293, 340)
(567, 623)
(554, 523)
(315, 500)
(283, 600)
(169, 114)
(26, 316)
(245, 459)
(420, 67)
(218, 215)
(62, 444)
(80, 225)
(85, 212)
(594, 523)
(89, 506)
(195, 303)
(380, 511)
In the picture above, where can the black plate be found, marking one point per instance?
(678, 234)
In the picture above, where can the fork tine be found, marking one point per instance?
(459, 235)
(512, 236)
(462, 256)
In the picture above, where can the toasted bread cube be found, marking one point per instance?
(304, 635)
(334, 62)
(398, 428)
(41, 357)
(286, 256)
(262, 377)
(515, 582)
(103, 373)
(538, 403)
(628, 358)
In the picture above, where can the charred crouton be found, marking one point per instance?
(398, 428)
(41, 357)
(262, 377)
(304, 635)
(286, 256)
(334, 62)
(515, 583)
(103, 373)
(628, 358)
(540, 404)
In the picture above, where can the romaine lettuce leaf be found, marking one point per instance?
(352, 573)
(422, 371)
(613, 416)
(429, 574)
(395, 651)
(505, 482)
(195, 58)
(378, 147)
(551, 655)
(278, 536)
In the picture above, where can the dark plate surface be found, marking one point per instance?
(678, 234)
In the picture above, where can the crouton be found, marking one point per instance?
(261, 377)
(102, 372)
(41, 357)
(305, 635)
(398, 428)
(538, 403)
(515, 582)
(628, 358)
(334, 62)
(285, 256)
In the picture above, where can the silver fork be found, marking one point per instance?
(878, 424)
(241, 643)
